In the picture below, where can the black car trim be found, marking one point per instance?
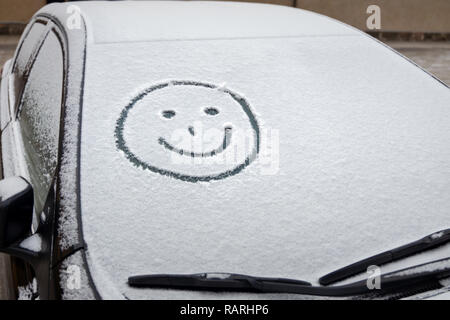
(68, 252)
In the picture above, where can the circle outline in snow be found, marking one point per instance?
(122, 146)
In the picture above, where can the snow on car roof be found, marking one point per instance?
(126, 21)
(346, 146)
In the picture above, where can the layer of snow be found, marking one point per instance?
(111, 22)
(11, 186)
(32, 243)
(363, 156)
(27, 292)
(68, 221)
(73, 279)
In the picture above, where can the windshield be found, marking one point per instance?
(332, 181)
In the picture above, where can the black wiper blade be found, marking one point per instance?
(393, 282)
(429, 242)
(210, 282)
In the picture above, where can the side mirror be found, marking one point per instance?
(16, 210)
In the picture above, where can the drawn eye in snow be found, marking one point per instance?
(168, 114)
(188, 130)
(211, 111)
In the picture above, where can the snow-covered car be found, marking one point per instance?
(211, 150)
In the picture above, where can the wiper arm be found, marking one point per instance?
(392, 282)
(429, 242)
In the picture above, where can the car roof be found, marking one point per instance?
(130, 21)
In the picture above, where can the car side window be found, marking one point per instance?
(29, 45)
(25, 54)
(39, 116)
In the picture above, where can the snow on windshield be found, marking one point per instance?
(354, 159)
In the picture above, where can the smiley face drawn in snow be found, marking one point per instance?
(188, 130)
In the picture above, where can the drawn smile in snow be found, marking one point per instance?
(223, 146)
(188, 130)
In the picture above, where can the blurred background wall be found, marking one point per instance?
(429, 16)
(19, 10)
(396, 15)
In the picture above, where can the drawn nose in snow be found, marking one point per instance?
(191, 130)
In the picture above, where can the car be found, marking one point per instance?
(212, 150)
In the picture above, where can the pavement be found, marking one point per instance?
(432, 56)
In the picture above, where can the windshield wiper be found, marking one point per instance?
(217, 281)
(397, 281)
(390, 283)
(429, 242)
